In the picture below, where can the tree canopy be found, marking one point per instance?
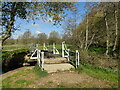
(31, 10)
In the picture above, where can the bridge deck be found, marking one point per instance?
(55, 60)
(56, 67)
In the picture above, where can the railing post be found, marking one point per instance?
(62, 49)
(38, 57)
(43, 46)
(42, 60)
(37, 46)
(76, 58)
(53, 48)
(68, 55)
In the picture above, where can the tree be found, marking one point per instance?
(27, 10)
(116, 26)
(26, 37)
(54, 37)
(42, 38)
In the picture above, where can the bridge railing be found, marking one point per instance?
(39, 56)
(65, 51)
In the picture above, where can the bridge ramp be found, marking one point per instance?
(57, 67)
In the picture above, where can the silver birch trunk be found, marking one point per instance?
(116, 32)
(86, 43)
(107, 39)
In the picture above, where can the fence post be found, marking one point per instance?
(37, 46)
(68, 55)
(62, 49)
(53, 48)
(76, 58)
(38, 57)
(42, 60)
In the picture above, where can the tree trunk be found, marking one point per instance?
(86, 33)
(10, 23)
(107, 39)
(91, 41)
(116, 32)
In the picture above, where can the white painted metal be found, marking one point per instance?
(38, 59)
(55, 51)
(33, 55)
(42, 61)
(68, 55)
(62, 49)
(37, 46)
(65, 50)
(77, 58)
(53, 48)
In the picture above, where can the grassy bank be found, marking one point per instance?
(110, 75)
(23, 78)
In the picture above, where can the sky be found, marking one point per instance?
(43, 27)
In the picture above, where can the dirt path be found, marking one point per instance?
(69, 79)
(66, 79)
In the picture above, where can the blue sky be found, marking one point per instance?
(43, 27)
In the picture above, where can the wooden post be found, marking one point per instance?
(42, 60)
(62, 49)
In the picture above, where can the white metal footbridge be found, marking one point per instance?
(63, 51)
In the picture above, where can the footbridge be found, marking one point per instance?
(54, 56)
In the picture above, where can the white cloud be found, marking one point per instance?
(38, 32)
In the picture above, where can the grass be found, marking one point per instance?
(18, 80)
(9, 53)
(100, 72)
(11, 82)
(14, 47)
(50, 82)
(37, 70)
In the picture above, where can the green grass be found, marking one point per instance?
(10, 81)
(50, 82)
(13, 47)
(61, 86)
(20, 83)
(100, 72)
(37, 70)
(8, 54)
(17, 80)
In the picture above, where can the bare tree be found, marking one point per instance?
(116, 27)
